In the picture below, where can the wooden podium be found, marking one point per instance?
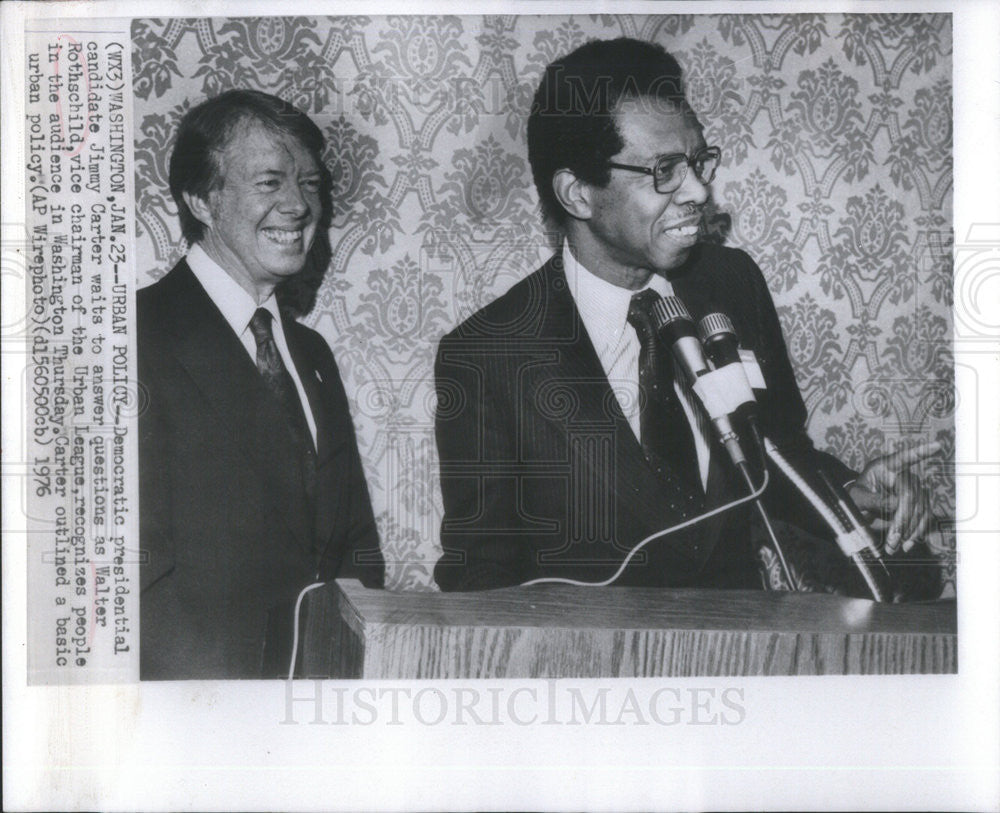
(563, 631)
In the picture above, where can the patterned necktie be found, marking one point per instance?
(279, 382)
(663, 426)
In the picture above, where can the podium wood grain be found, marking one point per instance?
(564, 631)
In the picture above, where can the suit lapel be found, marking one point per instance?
(312, 383)
(580, 370)
(579, 367)
(633, 479)
(220, 367)
(331, 434)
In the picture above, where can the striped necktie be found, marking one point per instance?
(279, 382)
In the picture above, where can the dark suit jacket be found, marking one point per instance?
(225, 521)
(541, 474)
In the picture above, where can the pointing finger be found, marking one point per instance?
(920, 522)
(914, 454)
(918, 533)
(907, 499)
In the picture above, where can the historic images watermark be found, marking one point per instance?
(546, 703)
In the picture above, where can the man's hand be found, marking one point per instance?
(886, 487)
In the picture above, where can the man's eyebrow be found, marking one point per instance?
(691, 154)
(273, 171)
(677, 153)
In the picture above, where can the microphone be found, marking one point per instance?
(676, 329)
(718, 337)
(835, 506)
(715, 389)
(831, 501)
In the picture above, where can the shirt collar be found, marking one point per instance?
(234, 303)
(602, 304)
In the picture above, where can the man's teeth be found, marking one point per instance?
(685, 231)
(283, 236)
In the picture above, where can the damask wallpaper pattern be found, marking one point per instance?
(836, 133)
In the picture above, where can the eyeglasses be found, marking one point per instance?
(669, 171)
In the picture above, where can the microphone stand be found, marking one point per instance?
(843, 518)
(677, 330)
(718, 336)
(744, 469)
(867, 559)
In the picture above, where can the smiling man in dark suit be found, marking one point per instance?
(251, 484)
(563, 441)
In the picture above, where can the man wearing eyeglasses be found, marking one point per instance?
(565, 437)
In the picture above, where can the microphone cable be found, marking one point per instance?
(755, 493)
(295, 626)
(745, 471)
(851, 535)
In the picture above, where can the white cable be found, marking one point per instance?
(807, 491)
(687, 523)
(295, 626)
(849, 541)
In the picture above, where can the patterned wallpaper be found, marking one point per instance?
(836, 133)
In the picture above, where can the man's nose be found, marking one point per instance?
(293, 200)
(691, 190)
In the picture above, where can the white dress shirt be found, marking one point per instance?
(237, 308)
(603, 309)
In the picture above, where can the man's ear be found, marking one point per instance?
(572, 193)
(199, 207)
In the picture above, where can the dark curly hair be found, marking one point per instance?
(572, 124)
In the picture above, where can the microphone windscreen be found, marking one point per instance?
(718, 335)
(672, 318)
(715, 324)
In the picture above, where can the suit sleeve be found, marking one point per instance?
(782, 412)
(360, 553)
(362, 558)
(783, 418)
(486, 538)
